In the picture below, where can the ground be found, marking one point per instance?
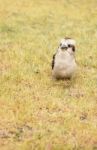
(37, 112)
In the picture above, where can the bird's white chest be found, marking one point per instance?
(64, 65)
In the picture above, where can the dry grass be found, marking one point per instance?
(37, 113)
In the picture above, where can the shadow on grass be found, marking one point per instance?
(66, 83)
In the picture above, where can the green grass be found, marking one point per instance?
(36, 112)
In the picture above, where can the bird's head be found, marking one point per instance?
(67, 45)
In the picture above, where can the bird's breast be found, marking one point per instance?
(64, 66)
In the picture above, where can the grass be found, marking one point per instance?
(36, 112)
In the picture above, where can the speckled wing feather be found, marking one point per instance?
(53, 61)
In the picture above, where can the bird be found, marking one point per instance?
(63, 63)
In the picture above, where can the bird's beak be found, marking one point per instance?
(64, 47)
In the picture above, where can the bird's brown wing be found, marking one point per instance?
(53, 61)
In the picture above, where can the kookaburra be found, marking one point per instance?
(63, 63)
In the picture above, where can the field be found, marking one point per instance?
(37, 112)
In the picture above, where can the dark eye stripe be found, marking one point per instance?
(72, 46)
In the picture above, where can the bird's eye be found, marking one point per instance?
(69, 45)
